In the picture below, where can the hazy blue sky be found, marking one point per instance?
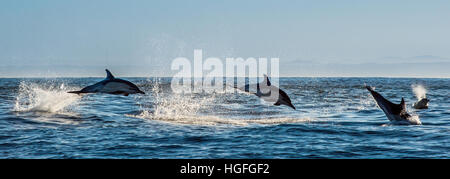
(141, 38)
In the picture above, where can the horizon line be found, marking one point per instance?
(287, 76)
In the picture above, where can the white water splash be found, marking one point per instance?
(34, 97)
(414, 120)
(366, 102)
(174, 107)
(216, 120)
(419, 91)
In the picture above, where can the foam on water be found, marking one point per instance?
(414, 119)
(215, 120)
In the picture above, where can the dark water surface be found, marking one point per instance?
(335, 118)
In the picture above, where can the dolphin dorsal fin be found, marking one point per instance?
(403, 104)
(266, 80)
(109, 74)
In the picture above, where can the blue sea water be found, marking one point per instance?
(335, 118)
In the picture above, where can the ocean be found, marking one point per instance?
(335, 118)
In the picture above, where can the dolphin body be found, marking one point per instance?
(396, 113)
(421, 104)
(269, 93)
(111, 85)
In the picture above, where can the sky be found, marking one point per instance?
(80, 38)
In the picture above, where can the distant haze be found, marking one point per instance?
(80, 38)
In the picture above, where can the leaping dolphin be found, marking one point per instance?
(111, 85)
(269, 93)
(395, 112)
